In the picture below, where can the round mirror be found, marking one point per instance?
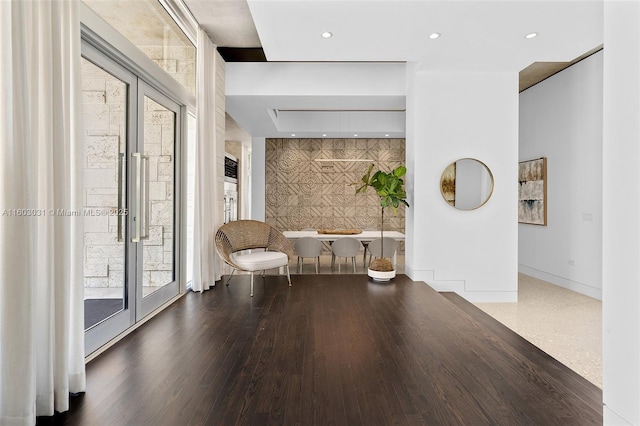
(466, 184)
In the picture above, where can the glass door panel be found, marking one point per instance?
(159, 136)
(105, 127)
(106, 139)
(159, 131)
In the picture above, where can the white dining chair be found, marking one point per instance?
(308, 247)
(346, 247)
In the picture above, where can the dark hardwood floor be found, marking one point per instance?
(331, 350)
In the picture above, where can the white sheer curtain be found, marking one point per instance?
(207, 267)
(41, 289)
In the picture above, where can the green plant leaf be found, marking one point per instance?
(388, 186)
(400, 171)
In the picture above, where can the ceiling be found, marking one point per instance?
(476, 35)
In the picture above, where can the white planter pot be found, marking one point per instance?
(381, 275)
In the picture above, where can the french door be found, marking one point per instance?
(132, 139)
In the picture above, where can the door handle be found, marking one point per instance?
(137, 215)
(122, 163)
(141, 217)
(145, 196)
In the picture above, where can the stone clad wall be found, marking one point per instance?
(177, 61)
(302, 193)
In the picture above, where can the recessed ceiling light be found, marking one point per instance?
(293, 134)
(327, 34)
(387, 135)
(434, 36)
(355, 134)
(531, 35)
(324, 135)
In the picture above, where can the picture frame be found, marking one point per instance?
(532, 192)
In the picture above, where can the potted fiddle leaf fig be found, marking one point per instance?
(389, 186)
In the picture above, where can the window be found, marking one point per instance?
(152, 30)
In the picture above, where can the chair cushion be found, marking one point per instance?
(260, 260)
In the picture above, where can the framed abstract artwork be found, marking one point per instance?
(532, 192)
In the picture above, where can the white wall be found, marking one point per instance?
(561, 119)
(451, 116)
(621, 214)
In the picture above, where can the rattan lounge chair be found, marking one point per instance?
(233, 238)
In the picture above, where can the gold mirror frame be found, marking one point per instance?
(448, 184)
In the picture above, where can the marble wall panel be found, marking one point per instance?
(152, 256)
(96, 223)
(89, 97)
(116, 279)
(101, 262)
(95, 271)
(168, 137)
(115, 94)
(106, 201)
(91, 282)
(156, 236)
(165, 171)
(159, 278)
(96, 116)
(99, 177)
(102, 238)
(162, 213)
(158, 190)
(152, 149)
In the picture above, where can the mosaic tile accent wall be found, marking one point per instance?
(302, 193)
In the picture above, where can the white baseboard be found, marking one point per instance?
(491, 296)
(458, 287)
(578, 287)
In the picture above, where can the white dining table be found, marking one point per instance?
(362, 236)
